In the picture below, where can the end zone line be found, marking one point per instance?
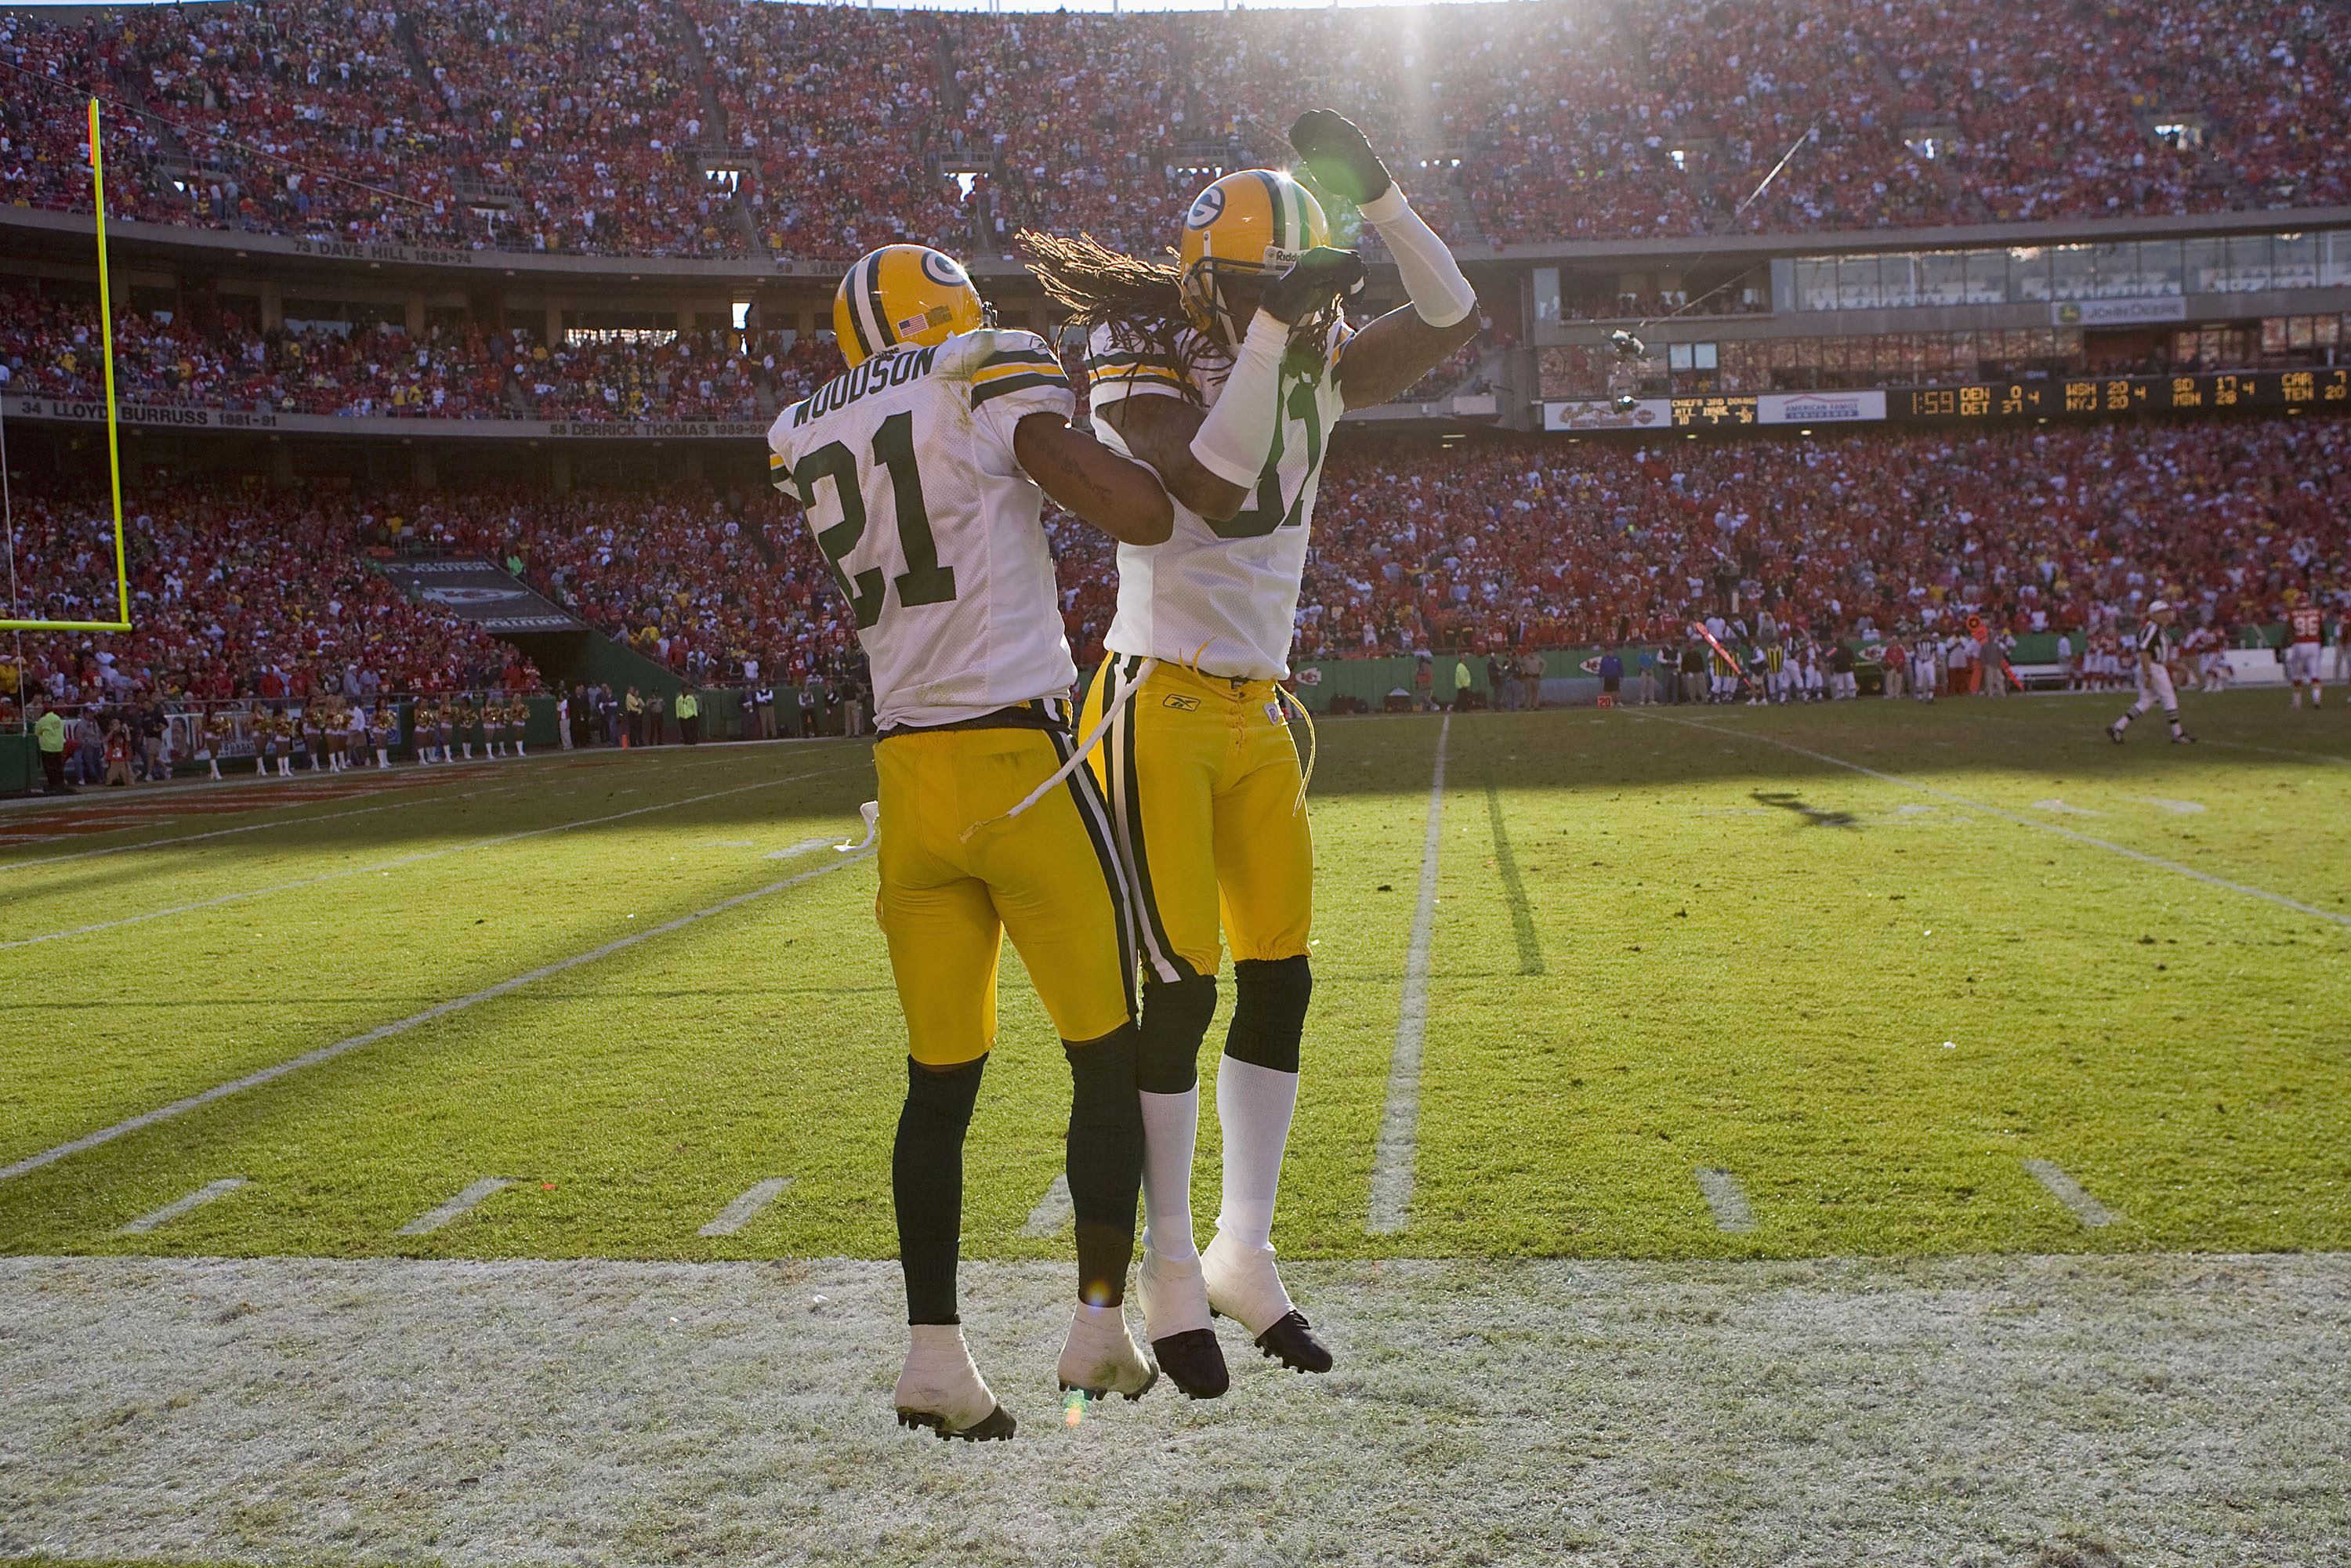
(1391, 1161)
(407, 860)
(2281, 900)
(385, 1032)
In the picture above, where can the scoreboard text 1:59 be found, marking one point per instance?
(2124, 394)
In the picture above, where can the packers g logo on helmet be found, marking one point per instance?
(1252, 220)
(904, 294)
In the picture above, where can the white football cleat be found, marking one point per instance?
(941, 1388)
(1100, 1357)
(1244, 1285)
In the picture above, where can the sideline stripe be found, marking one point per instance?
(180, 1205)
(1723, 1197)
(434, 1218)
(2281, 900)
(406, 859)
(740, 1212)
(385, 1032)
(1399, 1125)
(2068, 1191)
(1053, 1210)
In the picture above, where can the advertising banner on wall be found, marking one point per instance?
(1597, 414)
(1820, 408)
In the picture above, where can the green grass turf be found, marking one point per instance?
(1663, 942)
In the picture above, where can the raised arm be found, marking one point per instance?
(1387, 357)
(1124, 499)
(1159, 430)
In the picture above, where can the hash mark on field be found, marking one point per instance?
(1723, 1197)
(434, 1218)
(1052, 1211)
(739, 1213)
(1392, 1162)
(180, 1205)
(2068, 1191)
(794, 852)
(384, 1031)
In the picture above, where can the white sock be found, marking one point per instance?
(1171, 1125)
(1254, 1105)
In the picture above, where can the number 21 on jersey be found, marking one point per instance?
(924, 580)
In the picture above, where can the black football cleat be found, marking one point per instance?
(1195, 1363)
(1292, 1342)
(994, 1427)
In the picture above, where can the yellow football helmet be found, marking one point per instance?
(904, 294)
(1251, 222)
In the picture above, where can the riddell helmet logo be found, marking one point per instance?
(943, 269)
(1278, 259)
(1206, 209)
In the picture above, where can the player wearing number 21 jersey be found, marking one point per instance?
(919, 470)
(1227, 373)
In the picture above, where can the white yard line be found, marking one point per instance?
(405, 859)
(1723, 1197)
(2068, 1191)
(745, 1208)
(180, 1205)
(434, 1218)
(1392, 1162)
(1053, 1210)
(2158, 862)
(385, 1032)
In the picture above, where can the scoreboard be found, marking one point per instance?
(2109, 395)
(2056, 397)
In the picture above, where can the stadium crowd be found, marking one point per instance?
(732, 128)
(50, 346)
(1500, 545)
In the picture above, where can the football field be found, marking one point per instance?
(1870, 1131)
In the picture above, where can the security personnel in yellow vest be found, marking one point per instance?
(689, 717)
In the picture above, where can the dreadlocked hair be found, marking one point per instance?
(1138, 301)
(1142, 303)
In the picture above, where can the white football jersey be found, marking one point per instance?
(1223, 596)
(904, 466)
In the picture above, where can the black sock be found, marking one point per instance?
(1105, 1161)
(1270, 1001)
(926, 1180)
(1175, 1017)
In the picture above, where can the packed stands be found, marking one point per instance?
(234, 594)
(51, 347)
(729, 128)
(1524, 543)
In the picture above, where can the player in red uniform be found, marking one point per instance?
(2305, 624)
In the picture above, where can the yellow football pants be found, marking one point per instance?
(1048, 876)
(1202, 781)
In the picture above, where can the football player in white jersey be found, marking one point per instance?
(2154, 652)
(1225, 373)
(2305, 632)
(920, 471)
